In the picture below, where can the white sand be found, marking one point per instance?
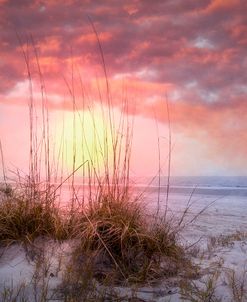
(225, 216)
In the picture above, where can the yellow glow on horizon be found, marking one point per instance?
(83, 136)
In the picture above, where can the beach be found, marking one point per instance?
(216, 241)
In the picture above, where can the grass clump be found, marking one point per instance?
(200, 291)
(28, 213)
(123, 244)
(226, 240)
(237, 284)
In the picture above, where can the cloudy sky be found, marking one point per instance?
(195, 52)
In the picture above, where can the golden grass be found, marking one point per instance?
(116, 232)
(120, 236)
(200, 290)
(28, 214)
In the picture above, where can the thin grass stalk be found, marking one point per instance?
(169, 157)
(105, 154)
(67, 178)
(45, 119)
(74, 129)
(75, 110)
(109, 102)
(3, 164)
(30, 106)
(127, 158)
(204, 209)
(82, 90)
(188, 206)
(159, 166)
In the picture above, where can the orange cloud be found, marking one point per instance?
(222, 4)
(91, 38)
(51, 44)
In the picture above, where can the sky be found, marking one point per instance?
(191, 54)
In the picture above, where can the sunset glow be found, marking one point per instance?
(81, 137)
(193, 52)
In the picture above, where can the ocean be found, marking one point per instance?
(207, 185)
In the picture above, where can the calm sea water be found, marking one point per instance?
(209, 185)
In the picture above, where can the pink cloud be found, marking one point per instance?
(193, 50)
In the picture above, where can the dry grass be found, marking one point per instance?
(26, 214)
(116, 243)
(14, 294)
(201, 290)
(124, 245)
(237, 283)
(226, 240)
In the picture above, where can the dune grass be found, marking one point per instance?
(28, 213)
(119, 233)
